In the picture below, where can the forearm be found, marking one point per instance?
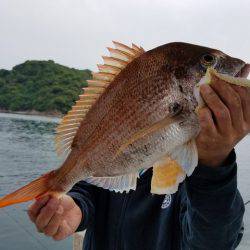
(214, 207)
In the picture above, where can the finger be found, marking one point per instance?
(206, 122)
(53, 225)
(232, 101)
(46, 213)
(244, 94)
(63, 231)
(34, 209)
(219, 110)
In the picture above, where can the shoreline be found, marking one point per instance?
(34, 112)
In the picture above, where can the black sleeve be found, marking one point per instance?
(83, 195)
(214, 209)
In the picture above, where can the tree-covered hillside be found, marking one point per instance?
(43, 86)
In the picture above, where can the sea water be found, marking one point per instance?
(27, 151)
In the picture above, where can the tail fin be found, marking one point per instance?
(32, 190)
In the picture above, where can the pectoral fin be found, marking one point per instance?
(144, 132)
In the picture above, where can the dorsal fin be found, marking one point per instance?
(119, 58)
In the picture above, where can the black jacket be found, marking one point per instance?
(205, 213)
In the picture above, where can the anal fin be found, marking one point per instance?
(115, 183)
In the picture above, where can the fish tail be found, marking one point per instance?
(34, 189)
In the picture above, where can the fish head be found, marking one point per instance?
(190, 62)
(185, 64)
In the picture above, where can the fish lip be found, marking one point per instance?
(244, 71)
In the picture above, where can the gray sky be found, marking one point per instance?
(76, 32)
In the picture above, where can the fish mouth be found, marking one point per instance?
(244, 71)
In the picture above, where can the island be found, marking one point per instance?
(41, 87)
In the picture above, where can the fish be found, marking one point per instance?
(138, 111)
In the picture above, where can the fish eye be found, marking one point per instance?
(208, 60)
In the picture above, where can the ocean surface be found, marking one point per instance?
(27, 151)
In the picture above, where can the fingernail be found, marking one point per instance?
(60, 210)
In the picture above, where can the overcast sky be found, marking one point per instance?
(76, 32)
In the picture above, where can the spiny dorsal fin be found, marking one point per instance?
(119, 58)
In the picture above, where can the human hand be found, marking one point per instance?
(224, 122)
(58, 218)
